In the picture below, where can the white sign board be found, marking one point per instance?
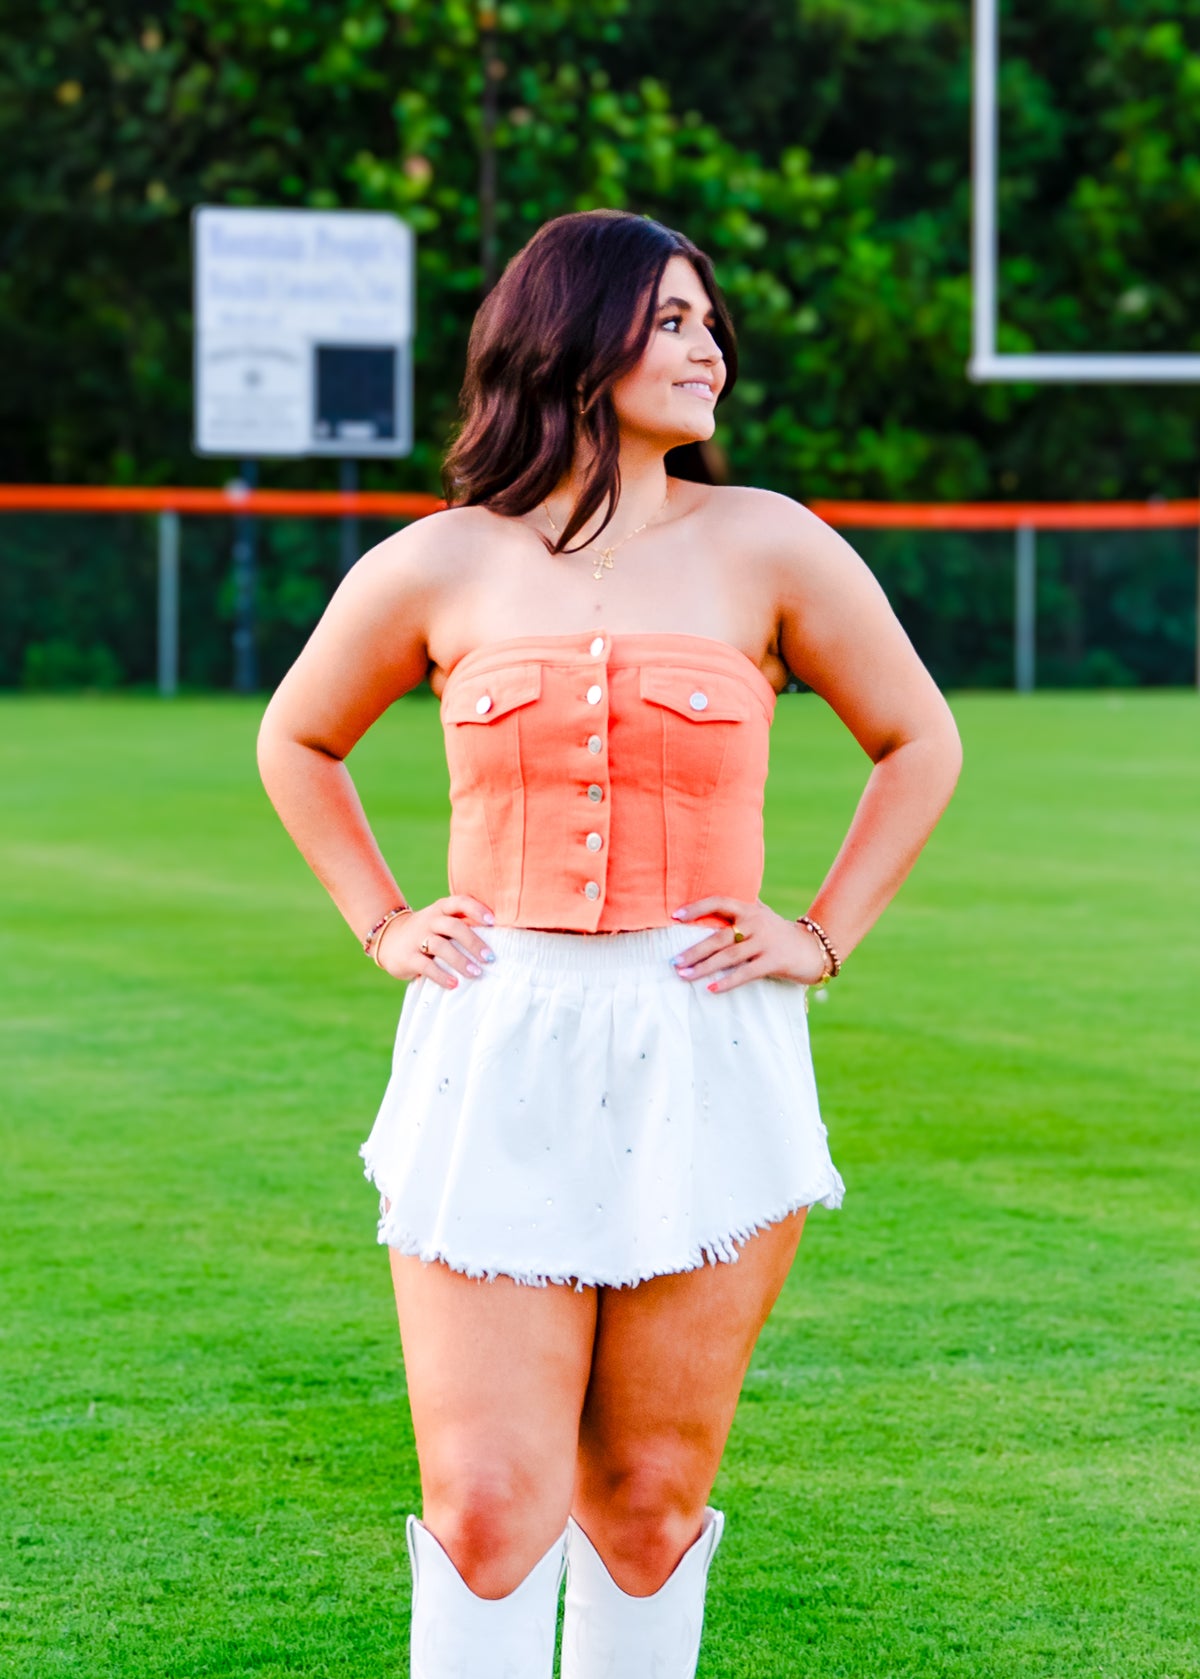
(303, 332)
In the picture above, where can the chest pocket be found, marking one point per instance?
(482, 717)
(703, 717)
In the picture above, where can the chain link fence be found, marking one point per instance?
(79, 600)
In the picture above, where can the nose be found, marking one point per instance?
(710, 357)
(709, 350)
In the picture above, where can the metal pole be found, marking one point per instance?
(168, 603)
(984, 239)
(245, 566)
(348, 484)
(1025, 635)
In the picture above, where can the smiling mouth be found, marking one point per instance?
(697, 387)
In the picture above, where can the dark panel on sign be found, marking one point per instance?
(355, 393)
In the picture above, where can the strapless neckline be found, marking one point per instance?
(582, 639)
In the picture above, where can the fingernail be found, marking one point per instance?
(679, 915)
(675, 960)
(713, 986)
(685, 973)
(472, 968)
(489, 955)
(488, 918)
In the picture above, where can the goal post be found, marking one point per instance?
(987, 363)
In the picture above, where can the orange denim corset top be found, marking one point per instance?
(598, 782)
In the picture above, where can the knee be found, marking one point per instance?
(494, 1522)
(643, 1514)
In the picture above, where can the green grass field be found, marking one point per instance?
(968, 1443)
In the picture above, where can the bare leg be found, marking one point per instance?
(669, 1361)
(497, 1373)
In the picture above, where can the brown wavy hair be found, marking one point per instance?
(555, 332)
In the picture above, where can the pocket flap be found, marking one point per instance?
(491, 694)
(702, 696)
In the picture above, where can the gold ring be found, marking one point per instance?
(738, 935)
(423, 947)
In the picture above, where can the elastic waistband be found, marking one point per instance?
(596, 955)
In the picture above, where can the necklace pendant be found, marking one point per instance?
(605, 561)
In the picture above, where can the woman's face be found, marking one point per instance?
(669, 396)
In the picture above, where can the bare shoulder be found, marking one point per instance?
(762, 528)
(788, 552)
(834, 626)
(429, 554)
(810, 565)
(372, 641)
(769, 525)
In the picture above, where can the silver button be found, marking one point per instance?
(483, 704)
(594, 743)
(597, 647)
(593, 842)
(596, 693)
(698, 701)
(591, 890)
(595, 794)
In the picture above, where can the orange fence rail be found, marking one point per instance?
(1006, 515)
(965, 516)
(86, 498)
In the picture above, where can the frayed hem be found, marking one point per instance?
(718, 1250)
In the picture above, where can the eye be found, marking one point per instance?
(677, 320)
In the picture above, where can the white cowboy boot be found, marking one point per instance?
(609, 1635)
(457, 1635)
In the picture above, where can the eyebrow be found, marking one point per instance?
(681, 303)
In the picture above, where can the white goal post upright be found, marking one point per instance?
(1041, 367)
(986, 362)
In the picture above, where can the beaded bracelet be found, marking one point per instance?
(833, 962)
(371, 942)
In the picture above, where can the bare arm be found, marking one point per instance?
(839, 635)
(368, 649)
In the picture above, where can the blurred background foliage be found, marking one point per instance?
(818, 149)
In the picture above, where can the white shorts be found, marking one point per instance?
(581, 1114)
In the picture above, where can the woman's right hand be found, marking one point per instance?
(445, 928)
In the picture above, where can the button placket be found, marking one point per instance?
(592, 839)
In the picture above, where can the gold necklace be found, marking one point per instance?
(607, 553)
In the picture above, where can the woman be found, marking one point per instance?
(601, 1136)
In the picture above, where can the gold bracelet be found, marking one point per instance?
(371, 942)
(833, 962)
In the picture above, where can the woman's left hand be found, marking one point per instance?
(772, 947)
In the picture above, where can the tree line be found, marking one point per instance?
(818, 149)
